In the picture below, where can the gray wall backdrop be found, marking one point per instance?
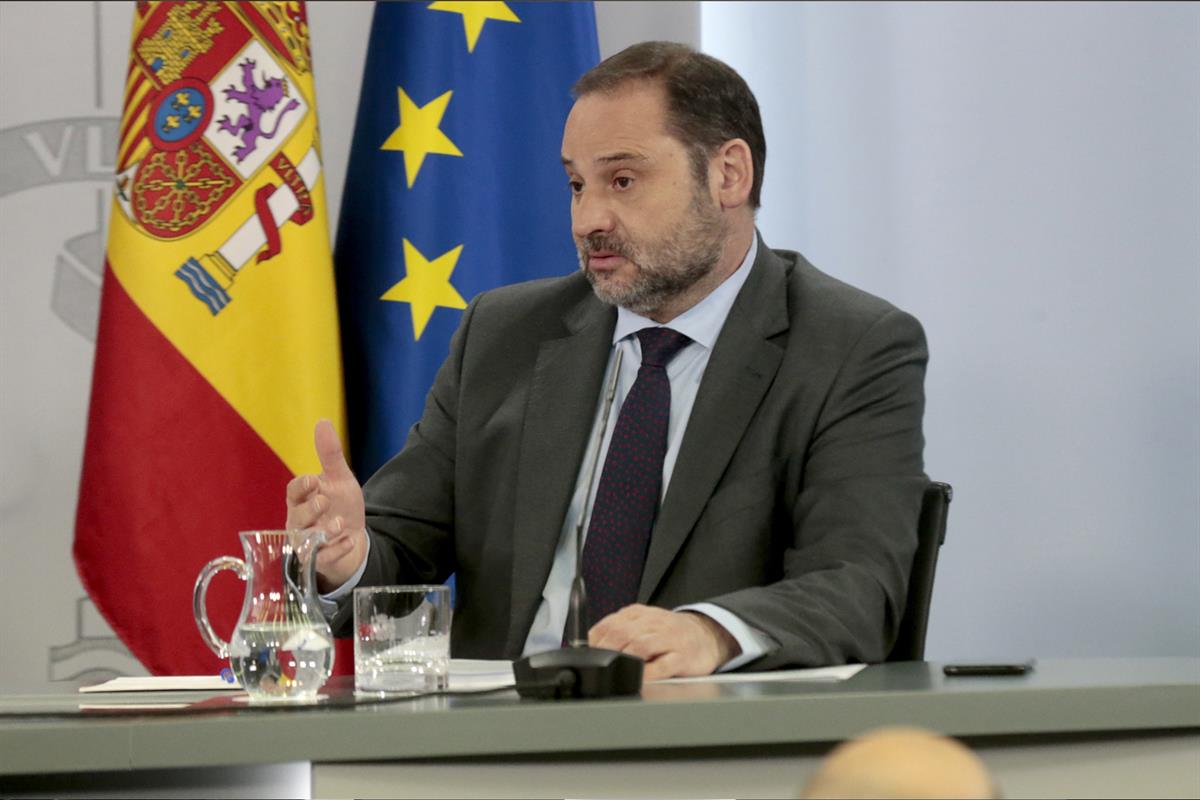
(1022, 177)
(1025, 178)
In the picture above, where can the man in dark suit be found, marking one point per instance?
(761, 483)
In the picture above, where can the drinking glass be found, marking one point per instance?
(401, 639)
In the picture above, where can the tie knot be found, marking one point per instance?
(659, 345)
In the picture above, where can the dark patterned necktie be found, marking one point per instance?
(627, 497)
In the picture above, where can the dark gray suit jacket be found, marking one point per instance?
(793, 502)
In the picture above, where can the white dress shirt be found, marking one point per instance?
(702, 324)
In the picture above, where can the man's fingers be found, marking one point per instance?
(299, 488)
(334, 549)
(329, 450)
(339, 558)
(336, 531)
(614, 631)
(300, 516)
(608, 634)
(648, 644)
(319, 504)
(339, 545)
(331, 552)
(309, 513)
(637, 611)
(668, 665)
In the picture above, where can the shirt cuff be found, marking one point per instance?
(754, 643)
(329, 600)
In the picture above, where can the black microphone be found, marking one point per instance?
(578, 670)
(577, 627)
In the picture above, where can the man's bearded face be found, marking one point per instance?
(666, 263)
(645, 223)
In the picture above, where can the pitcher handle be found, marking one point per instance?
(200, 610)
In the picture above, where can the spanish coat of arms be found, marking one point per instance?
(209, 105)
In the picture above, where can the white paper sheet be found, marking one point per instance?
(164, 683)
(477, 675)
(819, 674)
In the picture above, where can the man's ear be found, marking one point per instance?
(731, 173)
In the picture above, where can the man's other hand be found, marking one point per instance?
(672, 643)
(332, 502)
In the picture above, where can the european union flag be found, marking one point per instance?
(455, 186)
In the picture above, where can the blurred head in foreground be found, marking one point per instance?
(901, 762)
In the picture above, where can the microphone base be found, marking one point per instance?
(578, 672)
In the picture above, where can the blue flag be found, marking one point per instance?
(455, 186)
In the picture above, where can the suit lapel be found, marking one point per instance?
(739, 372)
(563, 393)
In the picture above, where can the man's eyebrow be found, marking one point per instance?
(610, 158)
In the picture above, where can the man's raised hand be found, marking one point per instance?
(332, 502)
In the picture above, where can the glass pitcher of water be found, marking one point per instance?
(281, 648)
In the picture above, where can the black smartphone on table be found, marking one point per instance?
(969, 668)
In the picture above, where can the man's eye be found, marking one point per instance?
(623, 182)
(576, 186)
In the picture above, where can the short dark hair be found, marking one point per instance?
(708, 103)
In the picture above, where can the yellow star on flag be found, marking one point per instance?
(426, 285)
(474, 14)
(419, 133)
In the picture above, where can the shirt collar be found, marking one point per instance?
(702, 322)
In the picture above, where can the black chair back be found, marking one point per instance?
(931, 533)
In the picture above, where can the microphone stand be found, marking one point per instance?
(578, 670)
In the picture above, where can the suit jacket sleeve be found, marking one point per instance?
(853, 516)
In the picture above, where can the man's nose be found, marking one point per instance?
(589, 215)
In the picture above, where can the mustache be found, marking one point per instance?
(605, 242)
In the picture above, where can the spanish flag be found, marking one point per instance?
(218, 345)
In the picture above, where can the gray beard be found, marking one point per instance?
(666, 269)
